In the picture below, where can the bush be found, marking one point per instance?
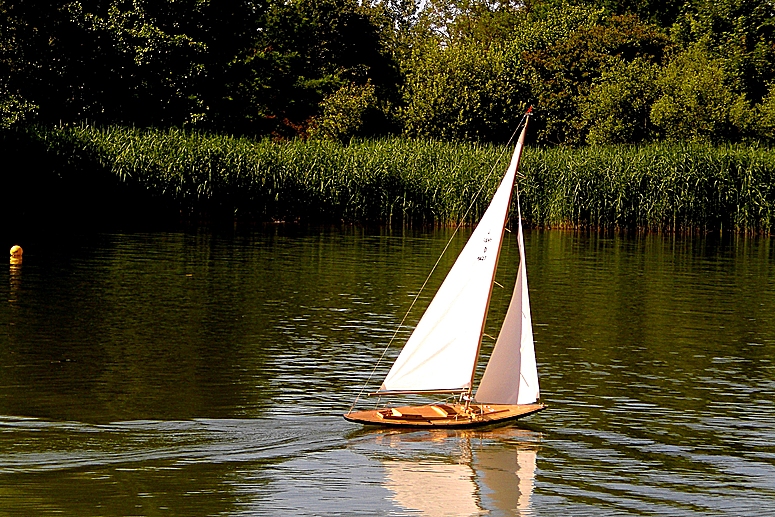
(463, 92)
(14, 109)
(655, 186)
(696, 102)
(566, 71)
(344, 112)
(619, 102)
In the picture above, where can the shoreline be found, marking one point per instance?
(175, 176)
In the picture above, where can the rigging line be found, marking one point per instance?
(422, 287)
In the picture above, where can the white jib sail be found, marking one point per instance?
(511, 376)
(440, 354)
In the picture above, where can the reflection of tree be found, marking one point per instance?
(486, 471)
(132, 327)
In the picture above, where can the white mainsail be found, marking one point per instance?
(441, 353)
(511, 376)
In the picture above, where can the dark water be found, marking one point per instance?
(199, 374)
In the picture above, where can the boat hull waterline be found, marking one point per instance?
(444, 415)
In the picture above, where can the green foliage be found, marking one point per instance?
(658, 186)
(464, 92)
(659, 12)
(741, 34)
(696, 102)
(453, 21)
(619, 103)
(765, 122)
(140, 62)
(344, 112)
(551, 22)
(565, 71)
(164, 66)
(320, 180)
(14, 110)
(451, 69)
(462, 79)
(246, 67)
(309, 49)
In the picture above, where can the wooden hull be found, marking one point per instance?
(444, 415)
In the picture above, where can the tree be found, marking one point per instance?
(466, 77)
(345, 112)
(14, 108)
(461, 92)
(619, 103)
(565, 71)
(309, 49)
(765, 117)
(660, 12)
(741, 33)
(134, 69)
(119, 61)
(696, 100)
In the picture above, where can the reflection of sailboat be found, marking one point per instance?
(452, 486)
(485, 479)
(441, 354)
(497, 470)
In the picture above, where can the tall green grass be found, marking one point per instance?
(657, 186)
(662, 186)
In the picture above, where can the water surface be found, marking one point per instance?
(206, 374)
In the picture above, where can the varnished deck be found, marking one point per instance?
(443, 415)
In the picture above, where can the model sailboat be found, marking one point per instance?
(441, 354)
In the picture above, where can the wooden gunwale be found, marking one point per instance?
(444, 415)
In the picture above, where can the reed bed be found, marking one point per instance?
(674, 186)
(663, 186)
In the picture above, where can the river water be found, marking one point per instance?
(206, 373)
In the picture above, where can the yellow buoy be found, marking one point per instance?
(16, 254)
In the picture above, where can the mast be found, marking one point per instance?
(515, 164)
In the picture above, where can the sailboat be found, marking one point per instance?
(441, 355)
